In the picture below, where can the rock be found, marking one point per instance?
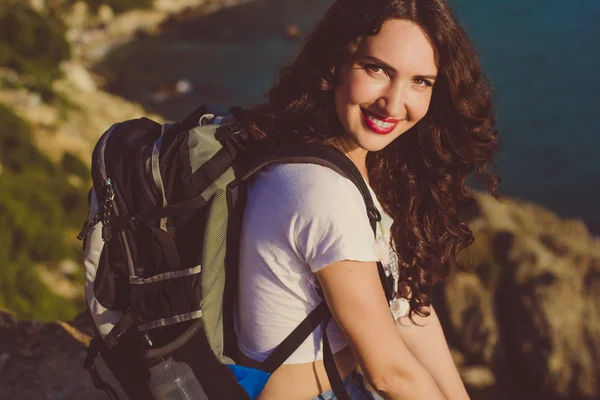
(38, 5)
(75, 129)
(478, 377)
(78, 16)
(528, 305)
(546, 297)
(105, 14)
(68, 267)
(457, 357)
(79, 77)
(293, 32)
(44, 361)
(175, 6)
(59, 279)
(546, 319)
(184, 86)
(3, 359)
(471, 314)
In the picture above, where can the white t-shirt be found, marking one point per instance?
(299, 218)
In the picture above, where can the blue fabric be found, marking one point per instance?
(356, 388)
(251, 379)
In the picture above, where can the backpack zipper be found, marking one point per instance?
(108, 196)
(141, 176)
(109, 203)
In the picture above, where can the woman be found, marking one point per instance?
(397, 87)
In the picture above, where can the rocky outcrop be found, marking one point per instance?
(93, 35)
(89, 111)
(74, 128)
(529, 307)
(44, 361)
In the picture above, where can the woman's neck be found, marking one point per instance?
(355, 153)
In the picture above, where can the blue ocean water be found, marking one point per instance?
(542, 59)
(541, 56)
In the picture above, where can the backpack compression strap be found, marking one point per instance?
(332, 158)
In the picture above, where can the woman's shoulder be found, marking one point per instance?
(303, 173)
(305, 182)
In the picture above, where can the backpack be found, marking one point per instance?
(161, 246)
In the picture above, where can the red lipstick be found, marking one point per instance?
(372, 125)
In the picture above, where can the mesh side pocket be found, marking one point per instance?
(213, 274)
(174, 380)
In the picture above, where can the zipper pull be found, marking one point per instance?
(106, 233)
(107, 204)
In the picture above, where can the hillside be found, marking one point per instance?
(60, 108)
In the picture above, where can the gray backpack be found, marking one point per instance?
(161, 254)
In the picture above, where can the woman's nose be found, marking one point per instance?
(393, 102)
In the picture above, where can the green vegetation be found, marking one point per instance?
(38, 207)
(33, 45)
(41, 206)
(72, 165)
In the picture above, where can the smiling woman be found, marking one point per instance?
(396, 86)
(382, 89)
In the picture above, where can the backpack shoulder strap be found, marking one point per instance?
(334, 159)
(327, 156)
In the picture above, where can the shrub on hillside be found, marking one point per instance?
(73, 165)
(23, 293)
(17, 151)
(37, 204)
(33, 45)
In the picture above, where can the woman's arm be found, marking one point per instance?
(355, 297)
(428, 344)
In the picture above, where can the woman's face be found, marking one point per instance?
(386, 88)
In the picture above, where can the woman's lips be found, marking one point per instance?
(377, 125)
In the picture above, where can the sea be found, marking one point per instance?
(541, 56)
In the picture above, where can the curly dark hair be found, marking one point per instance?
(421, 177)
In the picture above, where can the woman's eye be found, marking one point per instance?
(375, 69)
(422, 82)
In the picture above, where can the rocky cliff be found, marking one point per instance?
(528, 312)
(90, 110)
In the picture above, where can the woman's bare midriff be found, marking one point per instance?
(302, 381)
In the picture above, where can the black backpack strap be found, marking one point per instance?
(332, 158)
(327, 156)
(295, 339)
(335, 380)
(113, 338)
(191, 204)
(90, 365)
(319, 316)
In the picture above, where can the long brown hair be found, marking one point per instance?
(420, 178)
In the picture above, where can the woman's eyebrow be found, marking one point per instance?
(377, 61)
(392, 69)
(430, 77)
